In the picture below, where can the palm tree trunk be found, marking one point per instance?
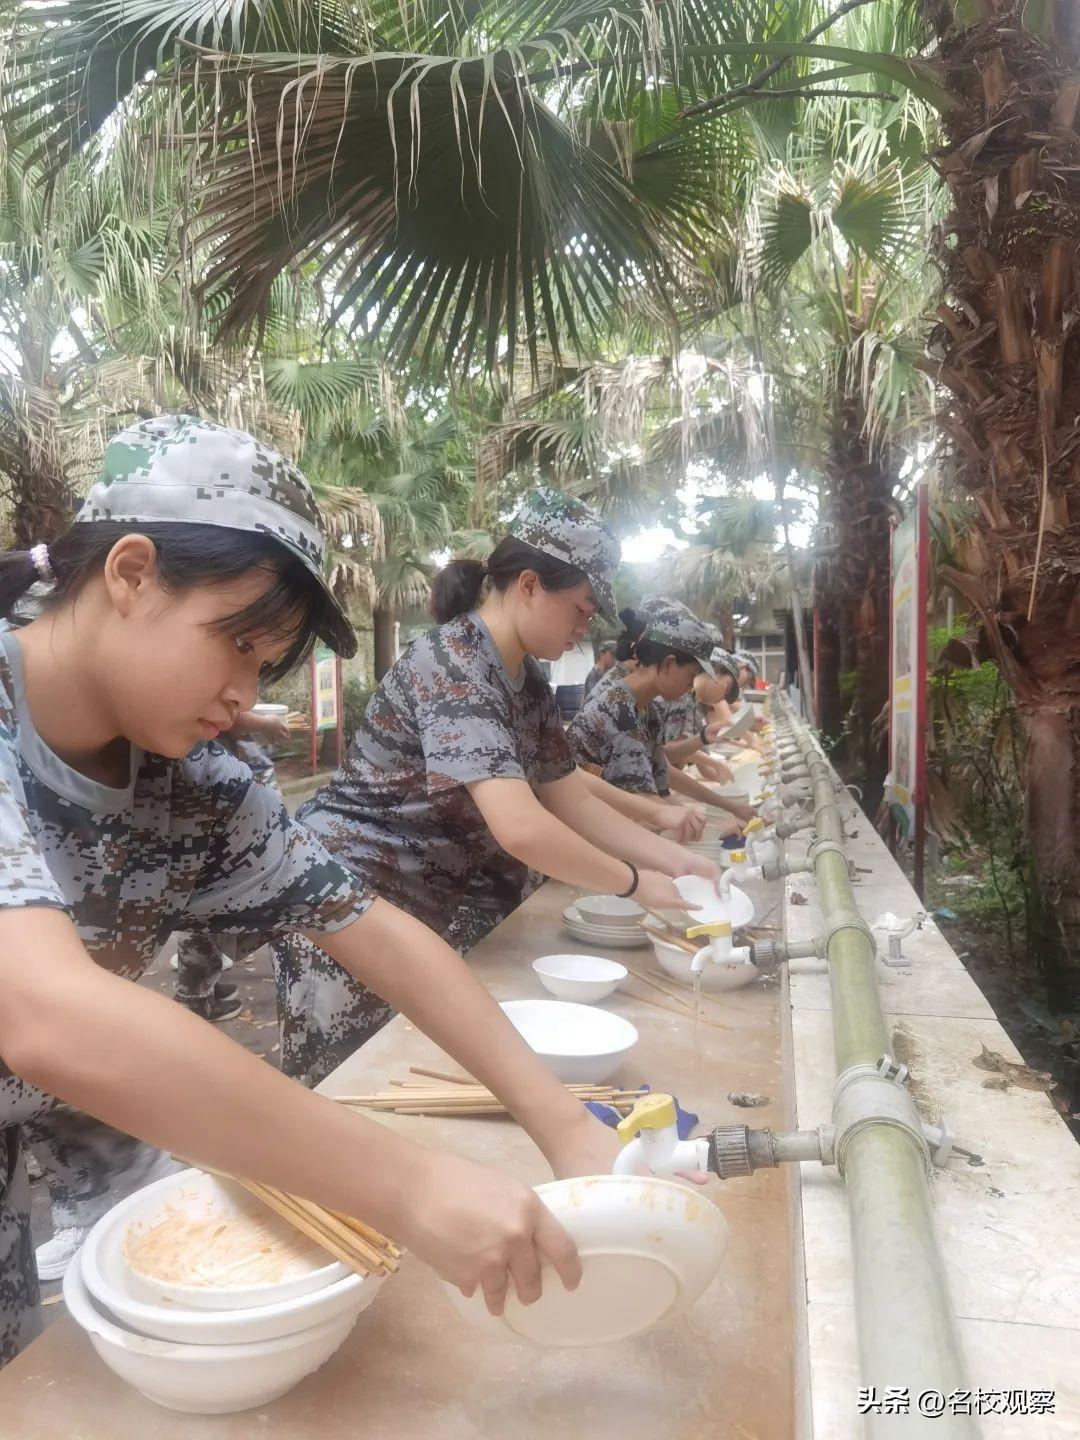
(827, 670)
(858, 508)
(1009, 354)
(383, 624)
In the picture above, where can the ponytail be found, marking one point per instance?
(18, 573)
(631, 646)
(456, 588)
(624, 645)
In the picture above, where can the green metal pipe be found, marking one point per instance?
(907, 1332)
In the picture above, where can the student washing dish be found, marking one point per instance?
(192, 572)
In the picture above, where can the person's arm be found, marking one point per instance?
(589, 815)
(149, 1067)
(529, 832)
(271, 728)
(679, 823)
(411, 968)
(704, 796)
(679, 752)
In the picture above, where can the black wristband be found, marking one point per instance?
(702, 736)
(625, 894)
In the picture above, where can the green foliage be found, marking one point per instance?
(977, 757)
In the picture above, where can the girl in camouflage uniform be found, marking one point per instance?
(691, 724)
(460, 775)
(193, 569)
(619, 731)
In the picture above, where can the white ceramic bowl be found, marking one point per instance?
(266, 707)
(584, 978)
(649, 1248)
(201, 1196)
(611, 911)
(203, 1379)
(715, 977)
(108, 1279)
(741, 720)
(576, 1042)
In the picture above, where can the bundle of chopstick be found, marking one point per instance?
(352, 1242)
(470, 1099)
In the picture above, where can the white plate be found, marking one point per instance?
(577, 1042)
(603, 935)
(649, 1248)
(738, 909)
(584, 978)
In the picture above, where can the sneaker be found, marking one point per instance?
(210, 1007)
(227, 962)
(225, 992)
(54, 1257)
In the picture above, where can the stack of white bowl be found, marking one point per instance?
(606, 920)
(207, 1350)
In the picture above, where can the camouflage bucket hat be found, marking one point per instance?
(569, 530)
(669, 622)
(181, 468)
(745, 658)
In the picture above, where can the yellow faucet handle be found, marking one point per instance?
(654, 1112)
(753, 825)
(714, 931)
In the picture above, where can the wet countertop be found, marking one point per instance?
(411, 1370)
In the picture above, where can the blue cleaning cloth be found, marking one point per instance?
(685, 1120)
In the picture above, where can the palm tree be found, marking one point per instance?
(467, 176)
(732, 561)
(841, 250)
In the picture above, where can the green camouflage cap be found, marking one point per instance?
(567, 529)
(745, 658)
(669, 622)
(181, 468)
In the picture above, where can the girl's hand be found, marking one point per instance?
(589, 1148)
(744, 813)
(714, 770)
(477, 1227)
(701, 865)
(680, 824)
(658, 892)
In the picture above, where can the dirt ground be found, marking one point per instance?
(255, 1028)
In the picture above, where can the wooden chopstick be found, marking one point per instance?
(440, 1075)
(672, 937)
(364, 1250)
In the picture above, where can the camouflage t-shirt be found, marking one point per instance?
(446, 714)
(681, 718)
(611, 734)
(190, 844)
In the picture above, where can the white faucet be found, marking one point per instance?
(657, 1150)
(719, 948)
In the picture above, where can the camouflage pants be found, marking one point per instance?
(324, 1014)
(20, 1318)
(200, 961)
(82, 1159)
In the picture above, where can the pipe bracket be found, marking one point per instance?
(863, 1097)
(848, 920)
(826, 847)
